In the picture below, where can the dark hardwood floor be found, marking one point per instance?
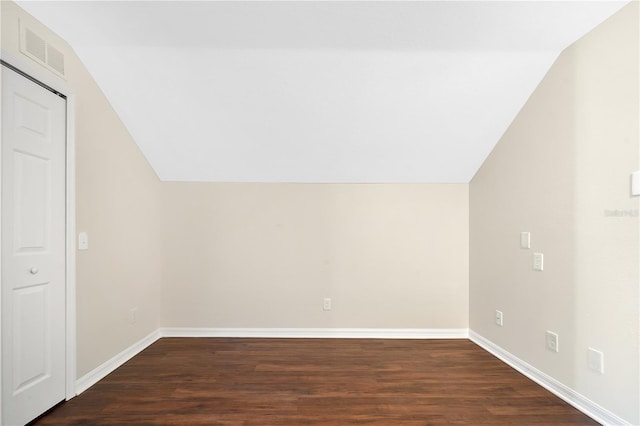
(214, 381)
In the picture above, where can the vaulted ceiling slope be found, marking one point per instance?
(328, 91)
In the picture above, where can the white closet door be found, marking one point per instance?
(33, 248)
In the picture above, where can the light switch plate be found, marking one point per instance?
(635, 183)
(525, 240)
(538, 261)
(83, 241)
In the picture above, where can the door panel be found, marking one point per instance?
(33, 249)
(31, 341)
(31, 203)
(32, 117)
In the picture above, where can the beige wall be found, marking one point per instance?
(117, 204)
(265, 255)
(564, 162)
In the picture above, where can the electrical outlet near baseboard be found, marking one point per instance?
(133, 315)
(499, 318)
(326, 304)
(552, 341)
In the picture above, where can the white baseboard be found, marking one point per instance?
(320, 333)
(572, 397)
(100, 372)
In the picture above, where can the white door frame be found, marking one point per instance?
(43, 76)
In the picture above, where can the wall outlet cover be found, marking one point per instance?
(552, 341)
(326, 304)
(595, 361)
(133, 315)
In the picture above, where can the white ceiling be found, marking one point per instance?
(328, 91)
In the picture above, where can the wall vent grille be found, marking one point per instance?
(37, 48)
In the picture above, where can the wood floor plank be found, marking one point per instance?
(231, 381)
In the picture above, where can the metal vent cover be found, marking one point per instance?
(37, 48)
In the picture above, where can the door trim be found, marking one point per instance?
(46, 78)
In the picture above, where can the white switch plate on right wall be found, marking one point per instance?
(635, 183)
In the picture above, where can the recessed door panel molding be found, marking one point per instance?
(31, 336)
(32, 117)
(31, 201)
